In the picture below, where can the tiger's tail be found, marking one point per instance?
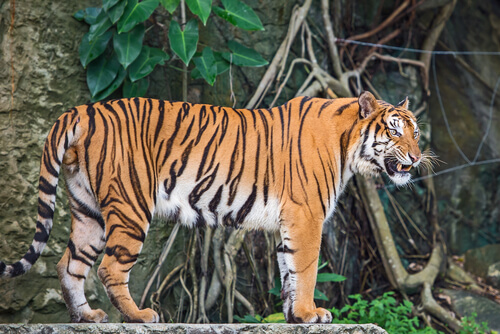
(59, 139)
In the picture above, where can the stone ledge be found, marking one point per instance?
(189, 328)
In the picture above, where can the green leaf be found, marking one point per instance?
(122, 73)
(330, 277)
(107, 4)
(239, 14)
(206, 65)
(201, 8)
(135, 89)
(101, 25)
(170, 5)
(116, 12)
(183, 42)
(222, 64)
(275, 318)
(243, 56)
(146, 62)
(101, 73)
(320, 295)
(136, 13)
(89, 15)
(128, 45)
(90, 50)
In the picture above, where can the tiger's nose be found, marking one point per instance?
(414, 158)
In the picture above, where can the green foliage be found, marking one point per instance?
(383, 311)
(469, 325)
(127, 62)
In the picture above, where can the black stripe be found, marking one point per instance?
(320, 195)
(205, 154)
(46, 187)
(74, 256)
(341, 109)
(17, 269)
(299, 139)
(48, 163)
(247, 207)
(214, 203)
(121, 254)
(285, 249)
(31, 256)
(159, 122)
(86, 210)
(188, 132)
(324, 106)
(41, 235)
(282, 122)
(44, 210)
(202, 187)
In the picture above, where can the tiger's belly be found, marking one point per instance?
(193, 206)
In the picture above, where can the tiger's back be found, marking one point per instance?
(279, 169)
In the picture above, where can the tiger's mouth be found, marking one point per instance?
(394, 168)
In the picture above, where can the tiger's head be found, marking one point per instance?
(389, 138)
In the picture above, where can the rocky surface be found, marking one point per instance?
(478, 260)
(191, 329)
(465, 303)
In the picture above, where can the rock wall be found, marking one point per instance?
(40, 77)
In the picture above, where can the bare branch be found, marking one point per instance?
(163, 257)
(331, 39)
(383, 25)
(280, 54)
(433, 36)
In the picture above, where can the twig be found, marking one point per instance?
(331, 39)
(431, 39)
(188, 317)
(202, 317)
(383, 24)
(218, 276)
(245, 302)
(192, 272)
(280, 54)
(163, 257)
(255, 271)
(401, 220)
(283, 84)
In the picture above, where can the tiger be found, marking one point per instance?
(279, 169)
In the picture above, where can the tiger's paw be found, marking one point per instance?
(318, 315)
(146, 315)
(94, 316)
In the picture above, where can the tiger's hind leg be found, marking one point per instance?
(125, 234)
(298, 254)
(85, 244)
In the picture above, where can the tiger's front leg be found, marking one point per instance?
(298, 254)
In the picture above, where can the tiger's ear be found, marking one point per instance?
(405, 103)
(367, 104)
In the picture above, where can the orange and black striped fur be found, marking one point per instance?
(279, 169)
